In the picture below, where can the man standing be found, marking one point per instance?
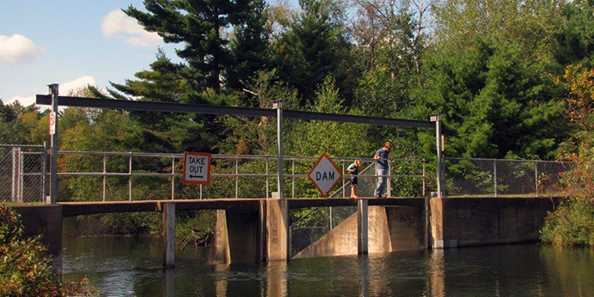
(382, 169)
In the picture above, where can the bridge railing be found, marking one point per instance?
(481, 177)
(110, 176)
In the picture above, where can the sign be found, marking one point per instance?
(324, 174)
(196, 168)
(52, 123)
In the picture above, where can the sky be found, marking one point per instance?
(73, 43)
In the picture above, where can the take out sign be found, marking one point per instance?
(325, 175)
(196, 168)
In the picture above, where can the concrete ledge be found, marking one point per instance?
(459, 222)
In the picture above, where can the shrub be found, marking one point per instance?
(25, 267)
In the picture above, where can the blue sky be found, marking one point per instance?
(64, 41)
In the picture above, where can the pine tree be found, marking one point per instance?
(315, 46)
(202, 28)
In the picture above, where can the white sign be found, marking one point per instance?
(196, 168)
(52, 123)
(324, 175)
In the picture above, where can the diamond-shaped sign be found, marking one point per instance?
(324, 174)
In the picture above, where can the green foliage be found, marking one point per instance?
(571, 224)
(25, 267)
(194, 228)
(314, 46)
(493, 103)
(336, 139)
(201, 26)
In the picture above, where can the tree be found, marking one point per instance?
(314, 46)
(165, 132)
(202, 28)
(493, 103)
(575, 37)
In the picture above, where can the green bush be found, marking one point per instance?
(572, 224)
(25, 267)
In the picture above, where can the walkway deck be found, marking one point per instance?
(87, 208)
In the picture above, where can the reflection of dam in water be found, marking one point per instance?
(517, 270)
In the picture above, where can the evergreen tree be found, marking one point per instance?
(314, 46)
(202, 28)
(167, 132)
(494, 103)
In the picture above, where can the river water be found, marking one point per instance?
(124, 266)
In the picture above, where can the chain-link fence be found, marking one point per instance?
(21, 173)
(499, 178)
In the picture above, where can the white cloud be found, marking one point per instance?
(16, 48)
(71, 88)
(116, 24)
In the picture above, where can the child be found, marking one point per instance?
(353, 169)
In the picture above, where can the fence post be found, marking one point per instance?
(343, 180)
(293, 178)
(130, 176)
(43, 172)
(15, 176)
(54, 143)
(21, 176)
(424, 190)
(495, 177)
(172, 177)
(389, 179)
(236, 178)
(267, 182)
(536, 178)
(104, 176)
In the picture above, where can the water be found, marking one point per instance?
(123, 266)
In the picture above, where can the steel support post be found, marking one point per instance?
(54, 144)
(438, 165)
(279, 143)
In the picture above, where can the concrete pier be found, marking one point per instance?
(277, 230)
(168, 235)
(362, 227)
(46, 221)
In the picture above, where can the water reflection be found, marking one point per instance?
(125, 268)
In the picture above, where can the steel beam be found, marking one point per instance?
(227, 110)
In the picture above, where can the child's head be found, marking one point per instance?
(358, 163)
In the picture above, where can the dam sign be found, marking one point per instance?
(324, 175)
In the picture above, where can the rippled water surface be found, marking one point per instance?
(123, 266)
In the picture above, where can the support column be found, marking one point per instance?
(439, 157)
(362, 227)
(169, 235)
(54, 144)
(277, 209)
(277, 227)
